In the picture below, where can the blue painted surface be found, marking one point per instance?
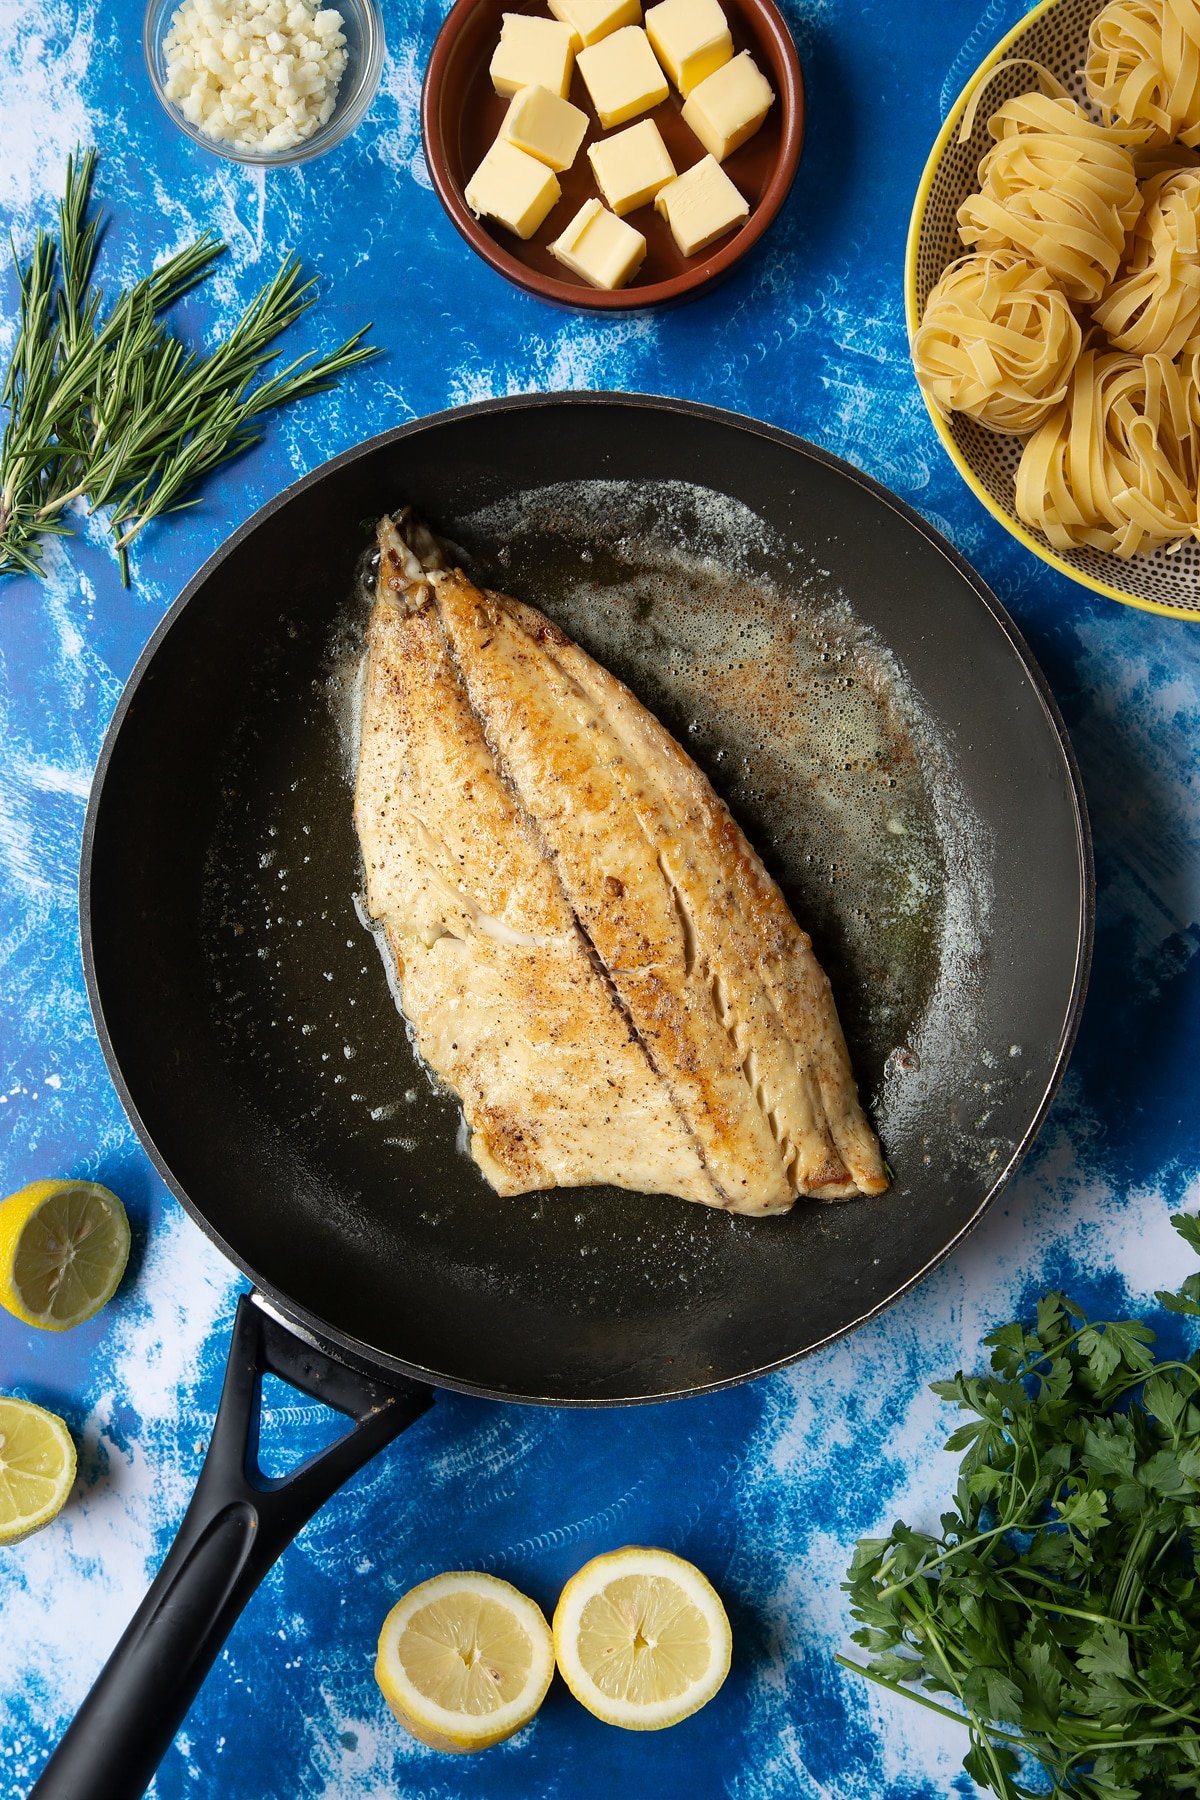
(766, 1487)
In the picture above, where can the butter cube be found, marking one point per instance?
(632, 166)
(728, 106)
(591, 20)
(690, 39)
(622, 76)
(600, 248)
(545, 126)
(532, 53)
(514, 189)
(700, 205)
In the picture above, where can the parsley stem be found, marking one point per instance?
(1172, 1712)
(1143, 1376)
(951, 1551)
(977, 1725)
(947, 1712)
(1127, 1743)
(1070, 1612)
(1128, 1589)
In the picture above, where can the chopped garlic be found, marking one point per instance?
(255, 74)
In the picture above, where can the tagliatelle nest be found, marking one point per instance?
(1154, 305)
(1076, 323)
(1115, 466)
(1143, 68)
(998, 341)
(1058, 189)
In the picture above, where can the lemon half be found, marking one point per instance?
(464, 1661)
(641, 1637)
(63, 1249)
(37, 1467)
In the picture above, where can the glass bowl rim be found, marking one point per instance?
(348, 108)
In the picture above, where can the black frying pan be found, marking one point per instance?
(249, 1028)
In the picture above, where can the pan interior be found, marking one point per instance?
(291, 1108)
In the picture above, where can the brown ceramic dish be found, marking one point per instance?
(461, 114)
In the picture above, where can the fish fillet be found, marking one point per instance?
(589, 951)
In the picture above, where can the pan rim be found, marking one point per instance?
(344, 1344)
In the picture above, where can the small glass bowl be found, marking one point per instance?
(362, 26)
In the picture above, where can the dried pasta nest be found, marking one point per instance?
(1143, 68)
(998, 341)
(1115, 466)
(1154, 305)
(1058, 189)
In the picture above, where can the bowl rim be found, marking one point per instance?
(912, 319)
(335, 130)
(576, 295)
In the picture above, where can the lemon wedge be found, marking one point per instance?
(63, 1249)
(464, 1661)
(641, 1637)
(37, 1467)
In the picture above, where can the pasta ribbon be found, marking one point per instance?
(1056, 188)
(997, 341)
(1143, 68)
(1115, 466)
(1155, 303)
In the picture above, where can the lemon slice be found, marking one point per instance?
(464, 1661)
(641, 1638)
(63, 1249)
(37, 1467)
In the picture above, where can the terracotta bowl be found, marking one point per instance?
(461, 115)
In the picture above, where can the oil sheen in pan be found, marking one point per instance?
(804, 722)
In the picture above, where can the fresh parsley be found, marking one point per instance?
(1059, 1607)
(106, 406)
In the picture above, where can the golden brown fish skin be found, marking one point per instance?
(765, 943)
(613, 842)
(498, 984)
(561, 767)
(717, 978)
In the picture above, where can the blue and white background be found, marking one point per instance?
(766, 1487)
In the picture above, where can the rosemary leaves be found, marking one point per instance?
(106, 406)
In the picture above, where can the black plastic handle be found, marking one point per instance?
(238, 1523)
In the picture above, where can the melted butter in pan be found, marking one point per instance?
(803, 721)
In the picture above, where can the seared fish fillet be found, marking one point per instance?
(589, 951)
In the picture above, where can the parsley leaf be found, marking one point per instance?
(1057, 1610)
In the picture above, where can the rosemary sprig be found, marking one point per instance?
(108, 406)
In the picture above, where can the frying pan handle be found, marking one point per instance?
(238, 1523)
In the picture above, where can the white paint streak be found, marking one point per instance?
(398, 142)
(46, 48)
(105, 1541)
(576, 356)
(59, 781)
